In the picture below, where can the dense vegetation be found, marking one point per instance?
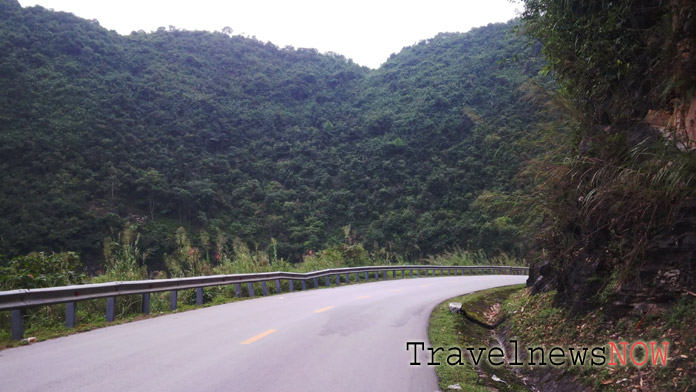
(619, 195)
(222, 138)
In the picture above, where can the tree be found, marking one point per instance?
(151, 183)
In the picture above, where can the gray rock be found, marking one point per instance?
(455, 307)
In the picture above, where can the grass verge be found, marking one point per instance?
(449, 329)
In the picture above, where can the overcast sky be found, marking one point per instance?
(367, 31)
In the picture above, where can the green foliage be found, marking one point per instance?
(186, 259)
(611, 56)
(39, 269)
(123, 259)
(231, 137)
(466, 258)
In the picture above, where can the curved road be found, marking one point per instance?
(349, 338)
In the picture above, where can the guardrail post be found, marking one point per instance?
(367, 276)
(347, 277)
(442, 272)
(304, 285)
(70, 313)
(292, 285)
(338, 279)
(238, 290)
(417, 273)
(403, 274)
(110, 309)
(377, 275)
(264, 288)
(250, 287)
(199, 295)
(17, 325)
(385, 275)
(173, 299)
(327, 280)
(278, 286)
(316, 283)
(357, 277)
(410, 273)
(146, 303)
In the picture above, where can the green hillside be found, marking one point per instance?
(237, 138)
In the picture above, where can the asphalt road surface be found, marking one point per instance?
(349, 338)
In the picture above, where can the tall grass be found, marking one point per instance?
(461, 257)
(124, 261)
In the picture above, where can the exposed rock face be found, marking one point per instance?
(539, 277)
(678, 125)
(666, 272)
(679, 122)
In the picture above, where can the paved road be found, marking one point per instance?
(350, 338)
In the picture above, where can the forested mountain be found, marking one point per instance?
(237, 138)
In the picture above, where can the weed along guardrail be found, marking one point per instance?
(17, 300)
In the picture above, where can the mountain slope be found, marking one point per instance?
(243, 139)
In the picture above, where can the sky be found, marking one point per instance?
(367, 31)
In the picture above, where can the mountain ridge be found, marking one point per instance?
(216, 132)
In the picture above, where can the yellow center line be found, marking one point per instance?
(259, 336)
(364, 296)
(323, 309)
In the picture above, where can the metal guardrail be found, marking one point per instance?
(17, 300)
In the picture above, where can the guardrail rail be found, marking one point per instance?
(17, 300)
